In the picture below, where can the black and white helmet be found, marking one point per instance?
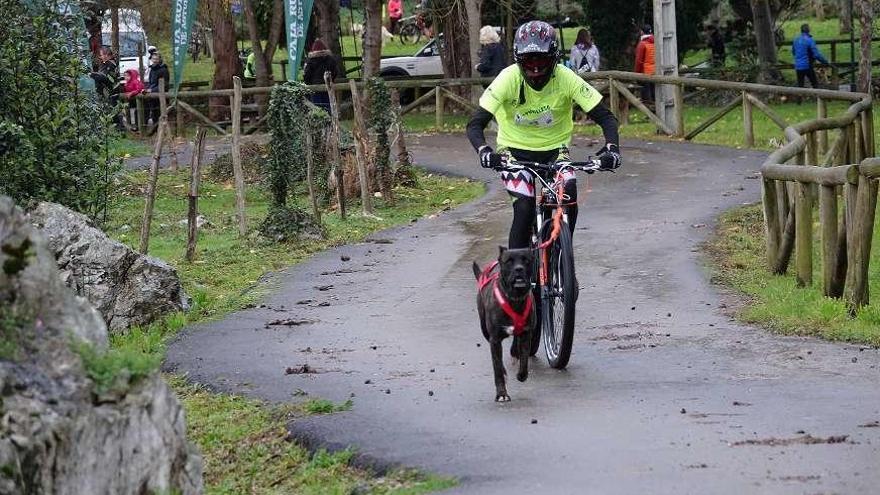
(536, 52)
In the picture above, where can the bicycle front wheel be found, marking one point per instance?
(558, 300)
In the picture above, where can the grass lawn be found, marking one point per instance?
(738, 252)
(244, 440)
(246, 450)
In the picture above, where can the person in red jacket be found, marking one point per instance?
(395, 12)
(132, 87)
(645, 60)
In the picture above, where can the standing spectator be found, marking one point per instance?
(131, 87)
(250, 66)
(645, 60)
(395, 12)
(107, 74)
(318, 61)
(492, 56)
(716, 44)
(805, 52)
(584, 56)
(158, 71)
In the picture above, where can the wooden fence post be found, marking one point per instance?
(821, 113)
(614, 100)
(438, 108)
(163, 109)
(151, 188)
(313, 197)
(141, 117)
(333, 144)
(748, 125)
(868, 130)
(361, 143)
(402, 152)
(193, 206)
(771, 220)
(236, 156)
(803, 237)
(678, 97)
(178, 120)
(860, 248)
(828, 222)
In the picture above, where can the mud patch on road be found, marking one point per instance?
(289, 322)
(801, 440)
(303, 369)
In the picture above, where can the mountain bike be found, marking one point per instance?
(553, 279)
(411, 29)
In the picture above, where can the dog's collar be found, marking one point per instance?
(520, 320)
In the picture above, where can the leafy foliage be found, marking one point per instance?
(53, 129)
(615, 25)
(288, 124)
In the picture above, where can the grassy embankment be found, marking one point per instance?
(243, 440)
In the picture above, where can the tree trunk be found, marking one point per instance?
(114, 33)
(819, 7)
(845, 16)
(473, 8)
(455, 52)
(226, 56)
(372, 37)
(326, 13)
(866, 19)
(263, 56)
(763, 25)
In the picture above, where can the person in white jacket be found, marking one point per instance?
(584, 56)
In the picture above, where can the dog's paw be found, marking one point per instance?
(502, 398)
(522, 376)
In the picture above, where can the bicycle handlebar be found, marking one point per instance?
(590, 166)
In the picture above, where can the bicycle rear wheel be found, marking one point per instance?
(409, 34)
(558, 300)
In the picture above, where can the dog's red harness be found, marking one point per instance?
(520, 320)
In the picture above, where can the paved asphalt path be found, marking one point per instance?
(664, 392)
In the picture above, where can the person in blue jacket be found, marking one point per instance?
(805, 52)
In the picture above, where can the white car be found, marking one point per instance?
(425, 63)
(132, 39)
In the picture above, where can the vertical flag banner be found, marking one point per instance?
(296, 15)
(184, 11)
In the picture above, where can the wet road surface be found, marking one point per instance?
(664, 392)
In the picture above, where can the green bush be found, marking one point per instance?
(53, 128)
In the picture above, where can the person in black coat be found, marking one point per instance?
(318, 61)
(158, 71)
(493, 57)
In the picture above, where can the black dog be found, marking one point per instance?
(504, 301)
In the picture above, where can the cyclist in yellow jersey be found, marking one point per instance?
(532, 101)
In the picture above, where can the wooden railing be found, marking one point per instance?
(792, 175)
(847, 170)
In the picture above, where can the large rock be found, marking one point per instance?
(57, 434)
(127, 288)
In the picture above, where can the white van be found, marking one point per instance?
(131, 39)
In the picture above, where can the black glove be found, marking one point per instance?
(490, 159)
(609, 156)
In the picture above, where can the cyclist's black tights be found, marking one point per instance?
(524, 216)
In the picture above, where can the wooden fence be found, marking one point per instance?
(844, 170)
